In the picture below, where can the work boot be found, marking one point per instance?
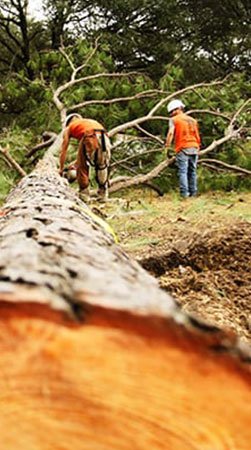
(84, 195)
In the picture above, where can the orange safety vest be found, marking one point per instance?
(78, 127)
(186, 133)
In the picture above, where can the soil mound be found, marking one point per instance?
(209, 275)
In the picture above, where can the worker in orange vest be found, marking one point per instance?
(94, 150)
(183, 129)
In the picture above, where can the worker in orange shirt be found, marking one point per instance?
(94, 150)
(183, 129)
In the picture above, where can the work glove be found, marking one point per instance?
(169, 152)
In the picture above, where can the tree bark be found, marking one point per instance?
(93, 354)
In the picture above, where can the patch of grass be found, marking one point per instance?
(136, 244)
(152, 220)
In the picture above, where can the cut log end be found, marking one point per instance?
(117, 381)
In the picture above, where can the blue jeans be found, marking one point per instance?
(187, 165)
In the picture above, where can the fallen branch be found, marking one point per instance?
(150, 135)
(48, 139)
(208, 111)
(162, 102)
(146, 183)
(236, 115)
(212, 167)
(74, 81)
(231, 135)
(131, 157)
(143, 94)
(116, 185)
(14, 164)
(226, 166)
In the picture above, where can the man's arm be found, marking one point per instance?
(64, 148)
(170, 134)
(169, 137)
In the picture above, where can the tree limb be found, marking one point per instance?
(12, 161)
(144, 94)
(212, 167)
(236, 114)
(208, 111)
(73, 82)
(75, 70)
(152, 136)
(146, 183)
(141, 179)
(138, 155)
(220, 141)
(158, 105)
(225, 165)
(48, 139)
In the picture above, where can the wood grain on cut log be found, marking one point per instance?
(93, 355)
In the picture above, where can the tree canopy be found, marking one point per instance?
(143, 35)
(117, 61)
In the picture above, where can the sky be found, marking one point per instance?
(35, 9)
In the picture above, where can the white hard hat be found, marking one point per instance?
(174, 104)
(70, 117)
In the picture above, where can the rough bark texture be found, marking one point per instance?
(52, 243)
(93, 355)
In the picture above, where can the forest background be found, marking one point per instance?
(120, 62)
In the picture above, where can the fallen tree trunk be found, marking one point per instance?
(93, 354)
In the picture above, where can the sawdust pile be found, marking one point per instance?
(209, 274)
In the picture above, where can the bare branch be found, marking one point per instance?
(182, 91)
(66, 56)
(143, 94)
(212, 167)
(147, 152)
(75, 70)
(93, 77)
(208, 111)
(220, 141)
(141, 179)
(152, 136)
(237, 113)
(75, 81)
(89, 57)
(164, 100)
(48, 139)
(12, 161)
(226, 166)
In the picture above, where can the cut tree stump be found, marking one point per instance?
(93, 354)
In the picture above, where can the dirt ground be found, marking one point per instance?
(199, 249)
